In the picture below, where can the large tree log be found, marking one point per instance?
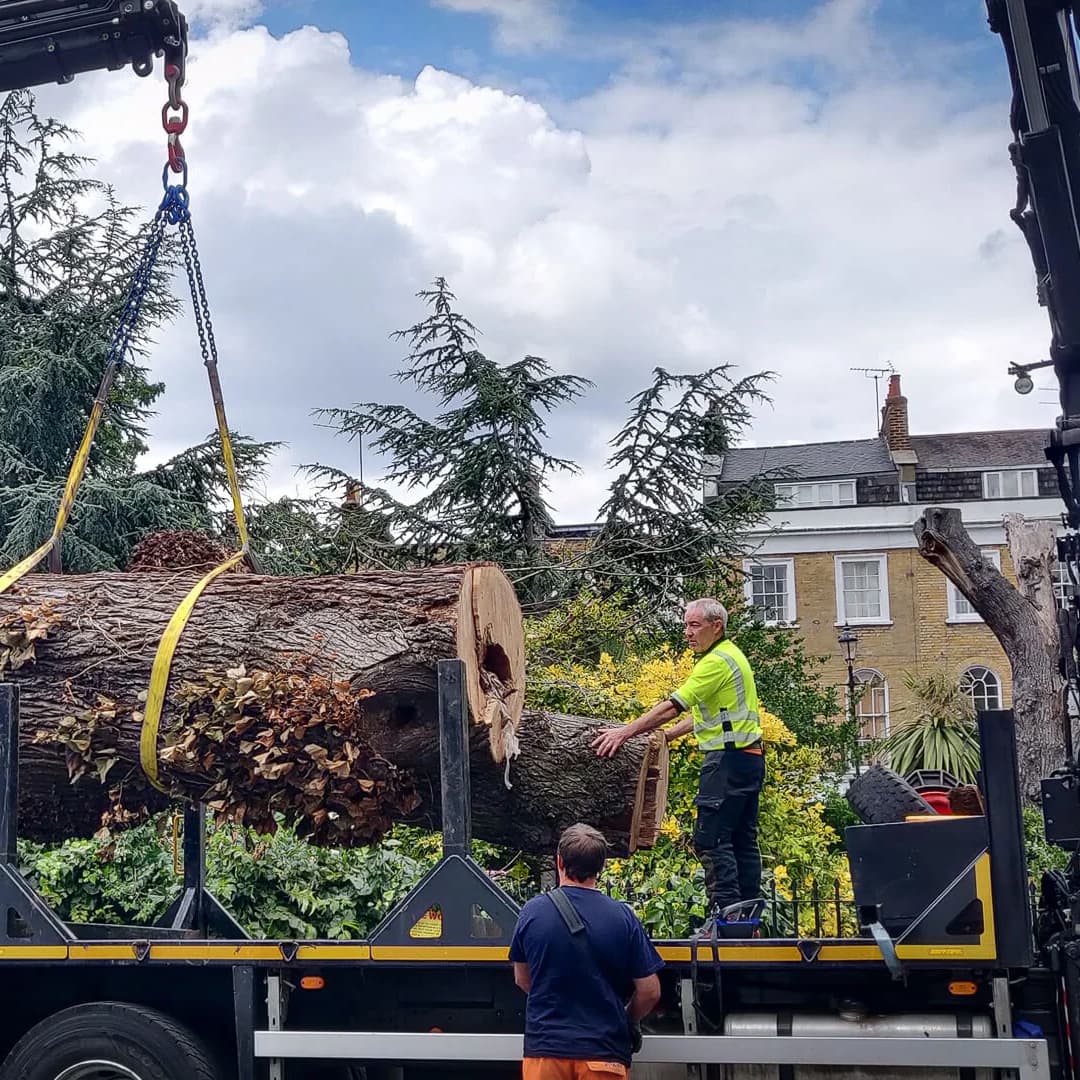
(1024, 622)
(310, 697)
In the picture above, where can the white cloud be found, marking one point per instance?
(520, 24)
(218, 13)
(711, 208)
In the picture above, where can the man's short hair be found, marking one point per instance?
(583, 851)
(709, 609)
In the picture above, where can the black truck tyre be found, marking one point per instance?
(109, 1040)
(880, 795)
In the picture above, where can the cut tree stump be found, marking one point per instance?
(1023, 619)
(312, 698)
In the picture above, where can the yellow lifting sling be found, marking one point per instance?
(173, 210)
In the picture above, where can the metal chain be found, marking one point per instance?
(199, 305)
(143, 276)
(174, 118)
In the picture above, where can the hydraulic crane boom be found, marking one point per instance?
(1040, 47)
(52, 41)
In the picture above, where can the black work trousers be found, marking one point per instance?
(725, 835)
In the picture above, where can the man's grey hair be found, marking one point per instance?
(709, 609)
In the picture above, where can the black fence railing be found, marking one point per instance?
(821, 910)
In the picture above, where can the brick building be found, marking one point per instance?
(839, 550)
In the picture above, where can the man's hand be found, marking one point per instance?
(609, 740)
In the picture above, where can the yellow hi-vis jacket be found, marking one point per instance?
(721, 695)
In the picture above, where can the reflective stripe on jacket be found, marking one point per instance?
(722, 697)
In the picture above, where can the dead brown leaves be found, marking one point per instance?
(20, 633)
(267, 745)
(177, 549)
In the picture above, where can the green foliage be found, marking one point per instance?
(584, 626)
(939, 730)
(655, 531)
(128, 880)
(665, 887)
(321, 535)
(286, 887)
(275, 886)
(1041, 854)
(481, 462)
(479, 468)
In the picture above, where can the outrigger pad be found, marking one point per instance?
(454, 904)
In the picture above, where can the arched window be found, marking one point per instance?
(983, 687)
(872, 703)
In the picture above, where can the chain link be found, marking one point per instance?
(173, 124)
(143, 277)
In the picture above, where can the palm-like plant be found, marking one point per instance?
(939, 731)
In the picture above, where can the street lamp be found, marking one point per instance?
(849, 642)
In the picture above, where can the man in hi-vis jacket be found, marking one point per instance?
(721, 698)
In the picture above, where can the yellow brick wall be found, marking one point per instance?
(919, 640)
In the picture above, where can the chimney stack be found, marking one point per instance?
(894, 418)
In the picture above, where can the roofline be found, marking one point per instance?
(878, 438)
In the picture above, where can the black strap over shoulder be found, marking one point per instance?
(567, 911)
(576, 927)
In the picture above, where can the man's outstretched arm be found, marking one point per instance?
(610, 739)
(683, 727)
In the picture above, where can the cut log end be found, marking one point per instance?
(491, 643)
(650, 800)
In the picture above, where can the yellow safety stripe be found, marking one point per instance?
(733, 952)
(74, 478)
(159, 674)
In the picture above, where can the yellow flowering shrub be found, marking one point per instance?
(800, 850)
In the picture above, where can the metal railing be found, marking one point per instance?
(821, 911)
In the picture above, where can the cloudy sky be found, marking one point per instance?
(791, 185)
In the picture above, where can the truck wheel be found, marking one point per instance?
(879, 796)
(109, 1040)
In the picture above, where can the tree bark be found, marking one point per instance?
(1023, 620)
(311, 697)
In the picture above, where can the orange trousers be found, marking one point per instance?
(567, 1069)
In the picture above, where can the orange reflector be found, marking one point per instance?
(312, 982)
(963, 989)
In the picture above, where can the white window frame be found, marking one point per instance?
(867, 675)
(956, 597)
(989, 671)
(785, 494)
(885, 618)
(1000, 474)
(1059, 577)
(790, 608)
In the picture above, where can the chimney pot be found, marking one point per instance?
(894, 418)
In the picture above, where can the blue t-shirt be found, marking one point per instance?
(577, 998)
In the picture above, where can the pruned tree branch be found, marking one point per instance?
(1023, 621)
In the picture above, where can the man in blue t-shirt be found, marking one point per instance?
(584, 989)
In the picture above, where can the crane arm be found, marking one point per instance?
(1040, 48)
(52, 41)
